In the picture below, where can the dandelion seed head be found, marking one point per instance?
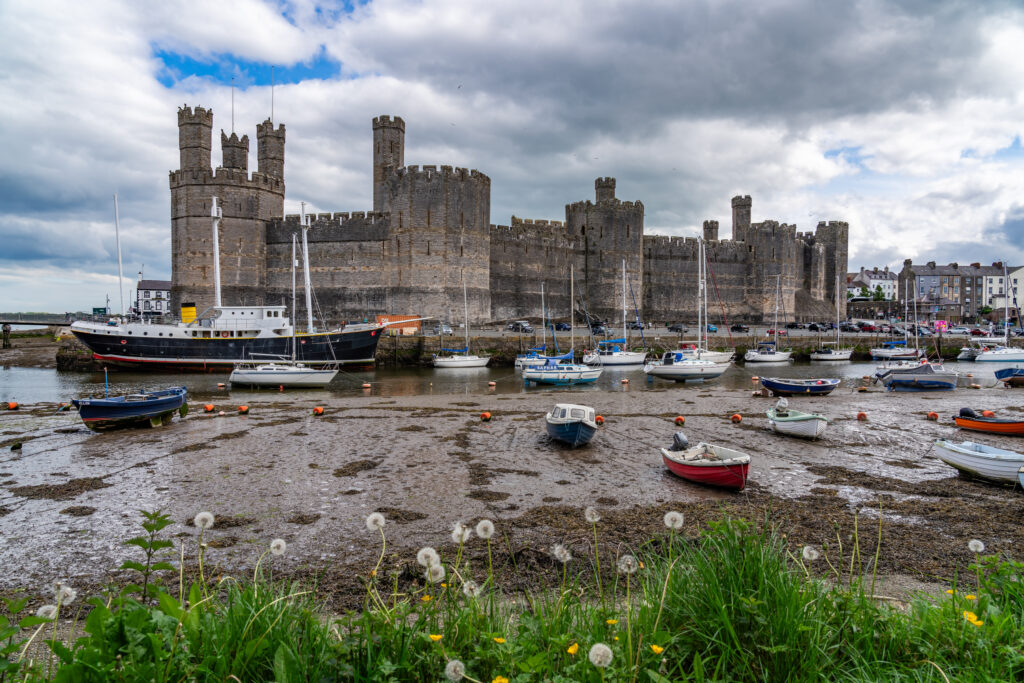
(428, 557)
(810, 553)
(561, 553)
(674, 520)
(47, 612)
(471, 589)
(278, 546)
(628, 564)
(600, 655)
(204, 520)
(375, 521)
(592, 515)
(455, 670)
(976, 546)
(435, 573)
(64, 594)
(485, 529)
(460, 533)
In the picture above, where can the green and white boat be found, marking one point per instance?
(794, 422)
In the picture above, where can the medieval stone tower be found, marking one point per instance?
(608, 231)
(247, 202)
(439, 230)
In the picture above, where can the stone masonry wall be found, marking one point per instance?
(523, 256)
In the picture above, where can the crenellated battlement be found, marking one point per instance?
(539, 223)
(227, 176)
(355, 226)
(200, 115)
(431, 172)
(587, 204)
(386, 121)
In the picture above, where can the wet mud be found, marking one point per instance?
(69, 497)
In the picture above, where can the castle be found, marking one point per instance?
(430, 231)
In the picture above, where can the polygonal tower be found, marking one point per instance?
(270, 149)
(388, 153)
(741, 217)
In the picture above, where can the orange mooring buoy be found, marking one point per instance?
(736, 418)
(485, 416)
(680, 420)
(243, 409)
(12, 405)
(862, 389)
(933, 416)
(221, 385)
(862, 416)
(492, 384)
(599, 419)
(755, 379)
(318, 410)
(366, 385)
(208, 408)
(625, 380)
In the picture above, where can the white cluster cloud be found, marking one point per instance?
(902, 118)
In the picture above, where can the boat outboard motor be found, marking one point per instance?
(968, 413)
(679, 442)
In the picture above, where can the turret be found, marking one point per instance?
(234, 151)
(710, 230)
(741, 217)
(195, 128)
(604, 189)
(270, 149)
(388, 152)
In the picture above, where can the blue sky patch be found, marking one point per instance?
(219, 68)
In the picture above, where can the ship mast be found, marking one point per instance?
(217, 216)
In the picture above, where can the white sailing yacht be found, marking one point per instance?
(832, 350)
(768, 351)
(609, 351)
(1003, 353)
(700, 350)
(283, 373)
(900, 350)
(461, 358)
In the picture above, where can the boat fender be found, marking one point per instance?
(679, 442)
(242, 410)
(680, 420)
(736, 418)
(599, 420)
(280, 387)
(987, 413)
(975, 386)
(221, 385)
(366, 385)
(208, 408)
(862, 417)
(492, 384)
(819, 382)
(967, 412)
(862, 390)
(486, 417)
(933, 416)
(318, 410)
(970, 374)
(755, 379)
(220, 414)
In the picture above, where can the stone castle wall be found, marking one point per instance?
(524, 256)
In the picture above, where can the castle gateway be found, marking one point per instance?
(430, 231)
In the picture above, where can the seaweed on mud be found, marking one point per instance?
(412, 428)
(78, 511)
(400, 516)
(222, 542)
(488, 496)
(355, 467)
(66, 491)
(465, 403)
(229, 435)
(227, 521)
(604, 500)
(303, 518)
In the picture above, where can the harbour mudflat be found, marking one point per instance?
(68, 498)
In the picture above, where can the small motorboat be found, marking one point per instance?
(895, 350)
(968, 419)
(707, 464)
(610, 352)
(677, 366)
(795, 423)
(571, 424)
(154, 407)
(780, 386)
(766, 352)
(1011, 377)
(922, 376)
(561, 373)
(690, 350)
(981, 461)
(282, 374)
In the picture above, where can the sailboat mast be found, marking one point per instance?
(465, 306)
(120, 272)
(837, 311)
(916, 324)
(217, 215)
(778, 293)
(700, 293)
(306, 279)
(572, 311)
(624, 333)
(293, 298)
(543, 317)
(1006, 304)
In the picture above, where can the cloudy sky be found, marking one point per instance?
(902, 118)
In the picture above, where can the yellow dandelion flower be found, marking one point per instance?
(574, 648)
(373, 572)
(435, 637)
(950, 591)
(444, 585)
(611, 622)
(616, 637)
(499, 641)
(970, 597)
(656, 649)
(970, 616)
(500, 679)
(641, 564)
(977, 622)
(426, 598)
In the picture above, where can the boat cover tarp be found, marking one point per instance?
(462, 350)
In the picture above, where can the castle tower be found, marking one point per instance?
(604, 189)
(234, 152)
(741, 217)
(195, 128)
(710, 230)
(247, 202)
(388, 152)
(270, 149)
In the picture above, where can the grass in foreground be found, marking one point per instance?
(731, 604)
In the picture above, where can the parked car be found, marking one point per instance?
(978, 332)
(794, 326)
(959, 329)
(443, 328)
(678, 327)
(867, 327)
(817, 327)
(736, 327)
(635, 325)
(598, 330)
(563, 327)
(885, 328)
(521, 326)
(848, 327)
(771, 332)
(712, 328)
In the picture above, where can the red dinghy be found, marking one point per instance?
(709, 464)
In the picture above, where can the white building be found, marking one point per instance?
(153, 297)
(996, 288)
(874, 278)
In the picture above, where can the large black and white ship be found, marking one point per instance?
(227, 335)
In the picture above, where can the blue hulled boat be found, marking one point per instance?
(1013, 377)
(571, 424)
(780, 386)
(154, 407)
(923, 377)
